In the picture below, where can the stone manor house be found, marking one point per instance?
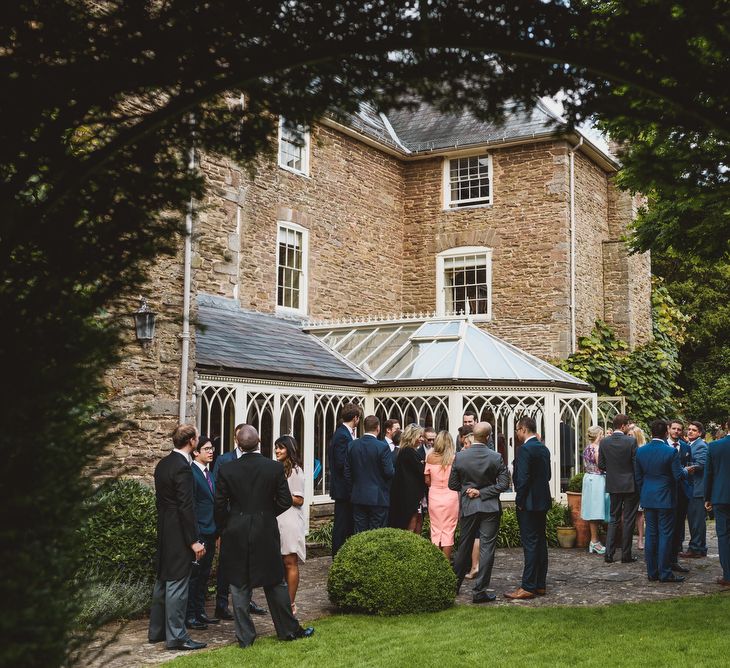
(417, 263)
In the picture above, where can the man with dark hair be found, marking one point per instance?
(696, 514)
(717, 498)
(178, 543)
(391, 427)
(616, 457)
(684, 491)
(657, 473)
(339, 491)
(429, 440)
(251, 492)
(368, 472)
(533, 500)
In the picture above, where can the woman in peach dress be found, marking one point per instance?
(443, 503)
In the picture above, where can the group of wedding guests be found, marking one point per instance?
(661, 485)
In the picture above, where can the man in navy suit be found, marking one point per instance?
(533, 500)
(339, 491)
(717, 498)
(368, 472)
(222, 585)
(684, 492)
(203, 496)
(657, 473)
(696, 515)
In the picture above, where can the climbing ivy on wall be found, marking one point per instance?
(646, 376)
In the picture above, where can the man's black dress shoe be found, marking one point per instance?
(301, 632)
(255, 609)
(188, 644)
(195, 625)
(608, 560)
(678, 568)
(483, 597)
(630, 560)
(651, 579)
(674, 578)
(207, 620)
(222, 613)
(156, 640)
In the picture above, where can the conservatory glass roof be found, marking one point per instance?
(452, 348)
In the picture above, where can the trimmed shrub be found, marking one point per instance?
(120, 534)
(391, 572)
(575, 484)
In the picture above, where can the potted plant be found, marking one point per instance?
(566, 532)
(582, 527)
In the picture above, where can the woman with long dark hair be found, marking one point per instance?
(291, 523)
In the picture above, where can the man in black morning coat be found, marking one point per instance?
(178, 543)
(251, 491)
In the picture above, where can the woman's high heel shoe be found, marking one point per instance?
(596, 547)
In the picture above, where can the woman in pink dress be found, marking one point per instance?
(443, 503)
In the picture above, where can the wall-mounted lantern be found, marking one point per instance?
(144, 322)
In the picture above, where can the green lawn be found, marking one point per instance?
(685, 632)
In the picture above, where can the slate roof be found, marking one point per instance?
(231, 338)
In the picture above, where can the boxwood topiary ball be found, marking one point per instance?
(391, 572)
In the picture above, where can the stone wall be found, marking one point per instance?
(527, 227)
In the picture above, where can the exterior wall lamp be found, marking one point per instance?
(144, 322)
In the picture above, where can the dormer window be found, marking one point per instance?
(467, 181)
(293, 147)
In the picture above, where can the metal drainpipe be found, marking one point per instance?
(185, 335)
(572, 245)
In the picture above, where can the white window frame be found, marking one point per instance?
(304, 278)
(451, 205)
(305, 150)
(441, 284)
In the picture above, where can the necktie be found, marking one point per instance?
(210, 482)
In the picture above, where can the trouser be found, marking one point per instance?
(167, 614)
(697, 520)
(343, 526)
(623, 506)
(221, 587)
(534, 546)
(680, 517)
(368, 517)
(722, 527)
(658, 542)
(277, 596)
(484, 526)
(199, 579)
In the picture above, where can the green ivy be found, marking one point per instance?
(647, 375)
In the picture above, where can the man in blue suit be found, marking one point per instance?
(203, 496)
(533, 500)
(336, 459)
(717, 498)
(696, 515)
(684, 492)
(368, 472)
(657, 473)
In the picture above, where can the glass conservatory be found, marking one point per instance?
(285, 377)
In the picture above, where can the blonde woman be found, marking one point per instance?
(408, 485)
(638, 434)
(594, 506)
(443, 503)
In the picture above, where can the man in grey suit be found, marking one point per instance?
(616, 456)
(480, 476)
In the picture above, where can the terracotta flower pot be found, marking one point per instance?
(566, 536)
(583, 529)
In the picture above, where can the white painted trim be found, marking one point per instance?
(446, 180)
(456, 252)
(304, 280)
(305, 153)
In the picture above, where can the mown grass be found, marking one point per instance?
(682, 632)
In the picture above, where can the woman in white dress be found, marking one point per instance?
(291, 522)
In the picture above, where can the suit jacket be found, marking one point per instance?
(658, 471)
(685, 459)
(177, 529)
(251, 492)
(616, 456)
(368, 471)
(717, 472)
(699, 457)
(222, 459)
(203, 498)
(483, 469)
(532, 476)
(408, 488)
(337, 458)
